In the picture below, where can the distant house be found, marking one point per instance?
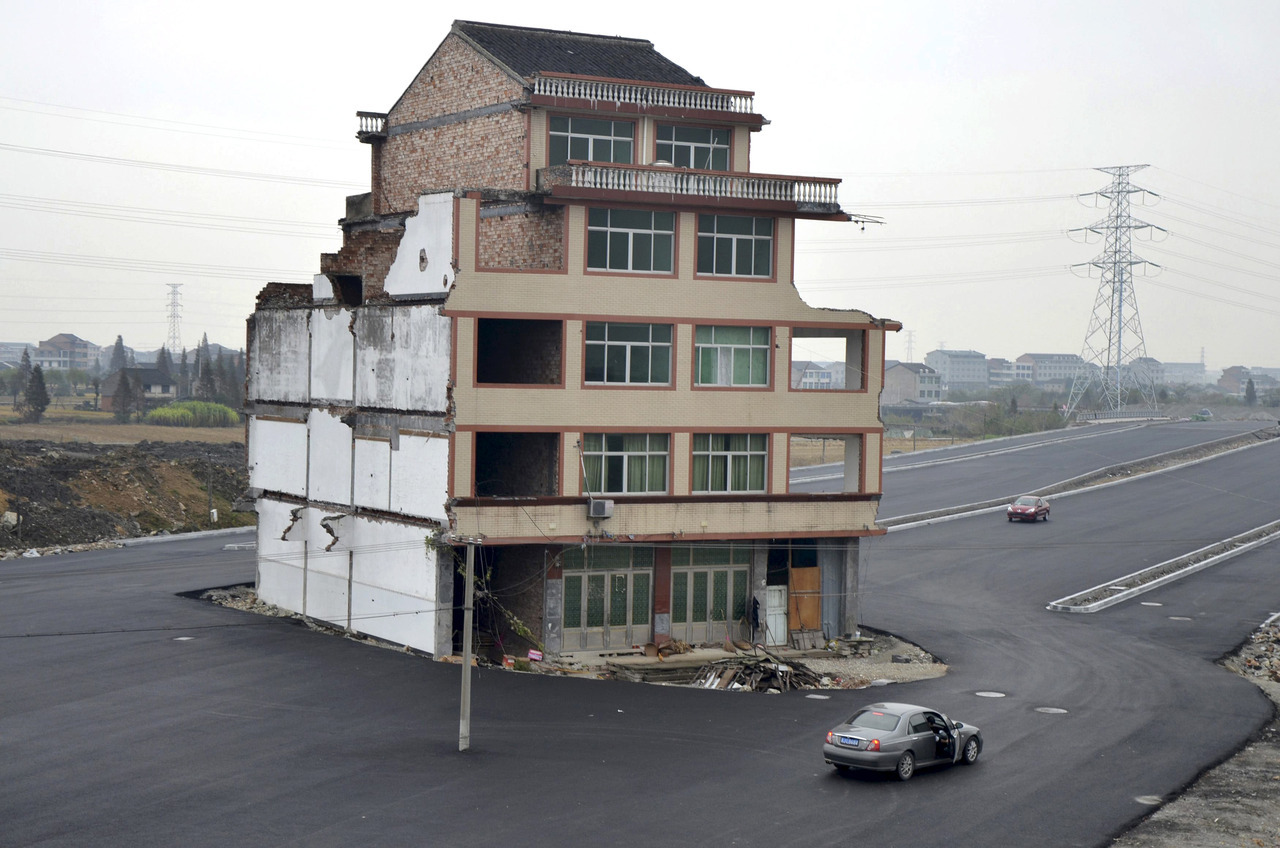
(156, 386)
(960, 370)
(911, 381)
(64, 352)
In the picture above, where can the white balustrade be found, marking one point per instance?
(696, 184)
(705, 99)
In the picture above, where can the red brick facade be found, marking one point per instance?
(463, 150)
(532, 242)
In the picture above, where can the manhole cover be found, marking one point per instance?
(184, 638)
(1051, 710)
(1150, 800)
(819, 697)
(989, 694)
(1152, 604)
(1179, 618)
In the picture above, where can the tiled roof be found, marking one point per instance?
(526, 51)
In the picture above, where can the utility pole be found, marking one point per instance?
(468, 604)
(1114, 342)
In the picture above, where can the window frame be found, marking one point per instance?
(711, 243)
(610, 455)
(750, 350)
(591, 138)
(706, 448)
(630, 346)
(634, 237)
(711, 147)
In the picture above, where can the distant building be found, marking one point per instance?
(1052, 368)
(1234, 380)
(808, 374)
(1185, 374)
(156, 386)
(1002, 372)
(911, 381)
(960, 370)
(64, 352)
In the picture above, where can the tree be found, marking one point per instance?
(20, 386)
(36, 397)
(123, 400)
(184, 376)
(119, 359)
(1250, 393)
(164, 362)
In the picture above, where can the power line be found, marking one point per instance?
(186, 127)
(230, 272)
(182, 169)
(168, 217)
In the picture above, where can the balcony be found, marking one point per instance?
(802, 196)
(644, 95)
(372, 125)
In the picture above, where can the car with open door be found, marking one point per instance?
(900, 738)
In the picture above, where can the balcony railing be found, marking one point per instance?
(642, 94)
(658, 180)
(372, 123)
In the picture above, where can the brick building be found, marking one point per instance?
(562, 323)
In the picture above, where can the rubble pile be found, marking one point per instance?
(1261, 656)
(764, 671)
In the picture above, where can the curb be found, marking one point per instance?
(179, 537)
(1225, 550)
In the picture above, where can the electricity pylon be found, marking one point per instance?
(1114, 353)
(175, 319)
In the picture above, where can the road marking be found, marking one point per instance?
(1051, 710)
(989, 694)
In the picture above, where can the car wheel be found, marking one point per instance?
(840, 767)
(969, 754)
(1011, 519)
(906, 766)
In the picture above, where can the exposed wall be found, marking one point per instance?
(528, 242)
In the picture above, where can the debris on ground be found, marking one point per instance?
(764, 671)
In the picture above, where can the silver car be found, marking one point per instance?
(900, 738)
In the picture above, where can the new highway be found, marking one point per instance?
(134, 715)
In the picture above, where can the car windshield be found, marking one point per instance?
(1025, 502)
(874, 719)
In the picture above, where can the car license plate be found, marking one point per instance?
(851, 741)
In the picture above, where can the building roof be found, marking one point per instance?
(917, 367)
(527, 51)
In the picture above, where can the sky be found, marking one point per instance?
(147, 144)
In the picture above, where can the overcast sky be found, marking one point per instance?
(149, 143)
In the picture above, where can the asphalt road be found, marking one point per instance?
(133, 716)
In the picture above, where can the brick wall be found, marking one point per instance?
(455, 79)
(367, 254)
(485, 151)
(533, 242)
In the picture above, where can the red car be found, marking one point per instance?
(1028, 508)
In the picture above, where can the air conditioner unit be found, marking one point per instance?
(599, 508)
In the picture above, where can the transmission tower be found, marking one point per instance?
(175, 319)
(1114, 352)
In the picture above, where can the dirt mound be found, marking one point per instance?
(54, 494)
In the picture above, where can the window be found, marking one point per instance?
(729, 462)
(590, 140)
(625, 463)
(630, 240)
(694, 147)
(628, 353)
(735, 246)
(732, 356)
